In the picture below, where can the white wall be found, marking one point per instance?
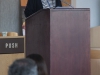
(73, 3)
(94, 6)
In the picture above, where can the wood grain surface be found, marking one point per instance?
(6, 60)
(95, 37)
(62, 38)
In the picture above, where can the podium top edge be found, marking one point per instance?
(87, 9)
(61, 8)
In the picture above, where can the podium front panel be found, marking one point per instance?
(62, 38)
(70, 42)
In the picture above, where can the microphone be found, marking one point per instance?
(66, 3)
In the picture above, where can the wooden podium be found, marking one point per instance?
(62, 37)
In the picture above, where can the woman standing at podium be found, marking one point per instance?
(35, 5)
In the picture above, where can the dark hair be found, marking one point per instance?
(42, 68)
(23, 67)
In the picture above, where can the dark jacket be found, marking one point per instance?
(35, 5)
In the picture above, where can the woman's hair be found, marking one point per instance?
(41, 65)
(23, 66)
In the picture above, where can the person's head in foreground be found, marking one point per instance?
(23, 67)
